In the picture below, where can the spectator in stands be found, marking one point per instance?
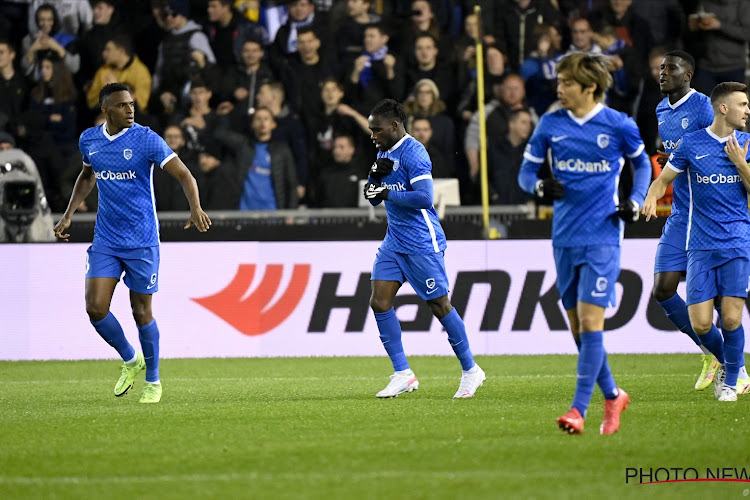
(421, 129)
(504, 161)
(337, 185)
(48, 39)
(629, 27)
(184, 53)
(106, 25)
(721, 29)
(54, 98)
(168, 193)
(666, 20)
(121, 65)
(241, 83)
(494, 68)
(425, 102)
(217, 179)
(335, 118)
(307, 71)
(645, 117)
(421, 21)
(427, 66)
(199, 120)
(265, 166)
(351, 31)
(627, 73)
(227, 31)
(540, 78)
(374, 75)
(515, 31)
(14, 89)
(75, 16)
(301, 13)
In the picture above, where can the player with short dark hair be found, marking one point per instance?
(682, 111)
(413, 249)
(718, 231)
(119, 157)
(589, 143)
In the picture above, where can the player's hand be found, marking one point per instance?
(550, 188)
(376, 191)
(61, 226)
(381, 168)
(200, 219)
(628, 211)
(737, 154)
(662, 157)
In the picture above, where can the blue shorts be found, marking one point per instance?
(424, 272)
(140, 265)
(671, 254)
(724, 272)
(587, 274)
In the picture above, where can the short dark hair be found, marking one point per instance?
(110, 89)
(309, 28)
(6, 41)
(724, 89)
(123, 41)
(378, 26)
(390, 110)
(689, 60)
(348, 137)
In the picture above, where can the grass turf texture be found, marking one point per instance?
(312, 428)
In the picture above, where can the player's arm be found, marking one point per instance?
(179, 171)
(84, 184)
(657, 190)
(420, 198)
(533, 158)
(738, 155)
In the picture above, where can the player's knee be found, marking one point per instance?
(590, 324)
(379, 304)
(662, 292)
(440, 309)
(701, 326)
(96, 312)
(141, 314)
(730, 321)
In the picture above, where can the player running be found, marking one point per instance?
(412, 250)
(119, 157)
(718, 231)
(588, 142)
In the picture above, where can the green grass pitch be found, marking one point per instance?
(312, 428)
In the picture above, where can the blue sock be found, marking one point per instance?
(734, 344)
(111, 331)
(454, 325)
(149, 336)
(677, 312)
(714, 343)
(605, 380)
(390, 336)
(589, 364)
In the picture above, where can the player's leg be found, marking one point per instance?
(386, 279)
(701, 291)
(701, 317)
(734, 343)
(141, 277)
(103, 271)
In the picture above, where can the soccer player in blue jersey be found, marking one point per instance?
(682, 111)
(588, 144)
(412, 250)
(718, 231)
(119, 157)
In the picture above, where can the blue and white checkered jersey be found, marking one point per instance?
(124, 164)
(410, 230)
(587, 156)
(692, 112)
(717, 209)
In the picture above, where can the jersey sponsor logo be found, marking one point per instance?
(602, 140)
(718, 179)
(559, 138)
(578, 165)
(398, 186)
(127, 153)
(253, 313)
(685, 122)
(108, 175)
(670, 145)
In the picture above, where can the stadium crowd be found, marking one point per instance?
(266, 102)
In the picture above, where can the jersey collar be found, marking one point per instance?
(113, 137)
(681, 101)
(720, 139)
(582, 121)
(401, 141)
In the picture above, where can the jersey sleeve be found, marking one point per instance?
(84, 151)
(418, 164)
(536, 149)
(678, 160)
(632, 142)
(157, 150)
